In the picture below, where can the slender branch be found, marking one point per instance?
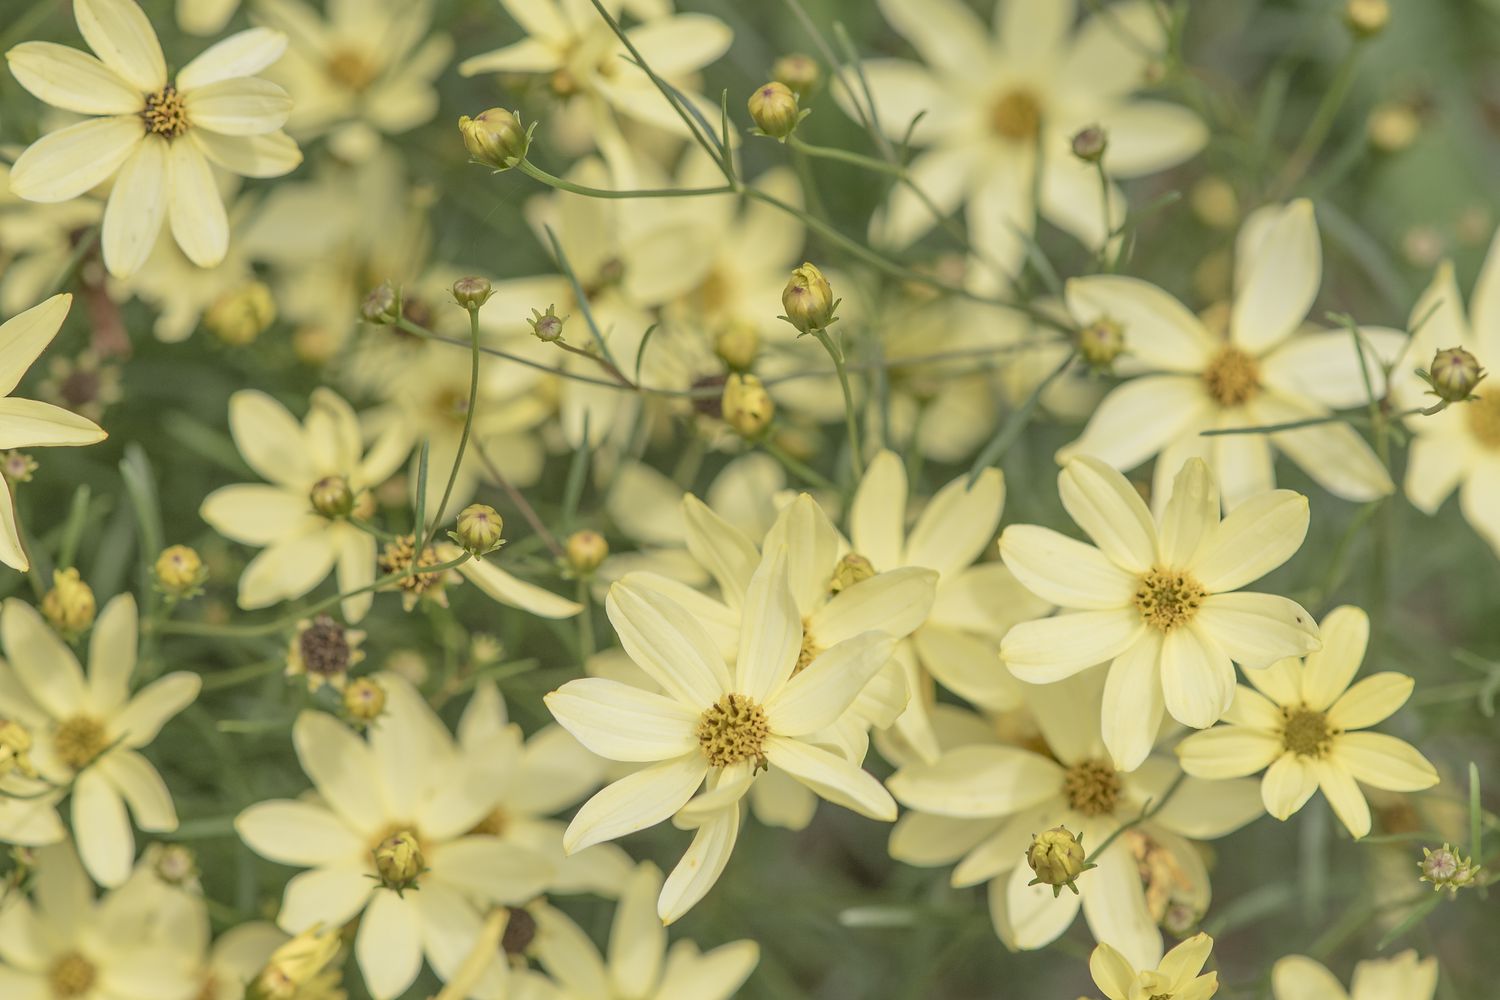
(851, 418)
(552, 180)
(463, 440)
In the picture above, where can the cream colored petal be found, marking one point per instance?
(1243, 463)
(341, 767)
(255, 513)
(120, 34)
(1141, 417)
(1434, 467)
(945, 33)
(1114, 904)
(812, 548)
(286, 569)
(566, 953)
(1004, 848)
(968, 665)
(1399, 976)
(205, 17)
(451, 929)
(1112, 972)
(45, 665)
(1256, 630)
(821, 693)
(1109, 510)
(978, 782)
(681, 44)
(1157, 328)
(1327, 672)
(957, 524)
(1064, 571)
(943, 175)
(986, 599)
(1298, 977)
(1288, 784)
(1191, 515)
(153, 706)
(1073, 200)
(1343, 794)
(355, 570)
(1281, 682)
(620, 722)
(1486, 303)
(1149, 136)
(1479, 499)
(636, 801)
(722, 548)
(637, 939)
(1334, 455)
(1280, 276)
(1200, 809)
(832, 777)
(327, 896)
(529, 55)
(717, 974)
(1034, 33)
(1185, 962)
(1324, 367)
(1133, 703)
(241, 106)
(142, 788)
(12, 552)
(1036, 916)
(929, 841)
(1227, 752)
(1372, 700)
(903, 90)
(1384, 762)
(199, 223)
(106, 844)
(1114, 49)
(507, 589)
(1197, 677)
(895, 603)
(877, 515)
(700, 867)
(495, 871)
(72, 80)
(771, 631)
(304, 834)
(1255, 710)
(389, 945)
(268, 155)
(668, 645)
(26, 423)
(1050, 649)
(112, 651)
(24, 336)
(245, 53)
(64, 164)
(270, 439)
(1001, 216)
(1257, 536)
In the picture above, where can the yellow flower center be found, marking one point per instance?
(165, 114)
(808, 652)
(352, 69)
(1483, 418)
(493, 825)
(1016, 115)
(451, 405)
(79, 740)
(72, 975)
(733, 729)
(1232, 377)
(1092, 788)
(1306, 732)
(1168, 598)
(400, 555)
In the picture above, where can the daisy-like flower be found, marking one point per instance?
(998, 109)
(319, 476)
(1264, 372)
(389, 837)
(64, 943)
(715, 725)
(363, 71)
(1179, 976)
(28, 423)
(1301, 724)
(639, 965)
(1457, 448)
(1155, 599)
(89, 730)
(1401, 977)
(983, 799)
(155, 137)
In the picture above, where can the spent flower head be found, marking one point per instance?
(1447, 869)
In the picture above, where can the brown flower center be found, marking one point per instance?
(1306, 732)
(324, 646)
(1232, 377)
(1016, 115)
(165, 114)
(733, 729)
(1168, 598)
(520, 931)
(71, 975)
(1483, 418)
(1092, 787)
(79, 741)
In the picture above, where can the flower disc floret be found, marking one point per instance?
(1232, 377)
(80, 740)
(733, 729)
(1307, 732)
(165, 114)
(1092, 787)
(1168, 598)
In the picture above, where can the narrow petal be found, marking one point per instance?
(1201, 809)
(327, 896)
(1065, 571)
(1341, 791)
(1258, 535)
(822, 692)
(1109, 510)
(1185, 962)
(928, 841)
(635, 802)
(968, 665)
(245, 53)
(1327, 672)
(1140, 418)
(1256, 630)
(812, 548)
(72, 80)
(1372, 700)
(700, 866)
(668, 645)
(1279, 278)
(771, 633)
(44, 664)
(637, 939)
(153, 706)
(1050, 649)
(957, 524)
(945, 32)
(621, 722)
(721, 548)
(287, 569)
(1157, 328)
(1298, 977)
(26, 335)
(27, 423)
(1114, 904)
(268, 155)
(1227, 752)
(1035, 915)
(340, 765)
(1288, 784)
(494, 870)
(1434, 467)
(978, 782)
(64, 164)
(12, 552)
(1133, 702)
(299, 833)
(1197, 678)
(112, 650)
(1281, 682)
(241, 106)
(105, 842)
(1384, 762)
(199, 223)
(389, 945)
(1191, 515)
(501, 586)
(896, 603)
(1324, 367)
(682, 43)
(1112, 972)
(832, 777)
(877, 514)
(120, 34)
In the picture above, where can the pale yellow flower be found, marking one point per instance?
(157, 138)
(28, 423)
(1177, 977)
(1266, 371)
(1156, 599)
(1401, 977)
(36, 243)
(1302, 729)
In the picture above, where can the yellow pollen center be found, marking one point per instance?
(1092, 788)
(1306, 732)
(1232, 377)
(399, 556)
(352, 69)
(1016, 115)
(79, 740)
(1168, 598)
(733, 729)
(72, 975)
(165, 114)
(808, 652)
(1483, 418)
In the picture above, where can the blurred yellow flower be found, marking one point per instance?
(1176, 977)
(1401, 977)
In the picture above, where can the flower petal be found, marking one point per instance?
(812, 548)
(621, 722)
(1109, 510)
(268, 155)
(1196, 676)
(1114, 904)
(242, 106)
(27, 423)
(1064, 571)
(700, 866)
(1191, 515)
(635, 802)
(1256, 630)
(112, 654)
(199, 223)
(26, 335)
(1341, 791)
(1034, 915)
(340, 765)
(957, 524)
(722, 549)
(1297, 977)
(1157, 328)
(72, 80)
(832, 777)
(771, 629)
(665, 642)
(821, 693)
(978, 782)
(1133, 702)
(1327, 672)
(1372, 700)
(1227, 752)
(944, 32)
(389, 945)
(120, 34)
(1288, 784)
(1384, 762)
(43, 663)
(244, 53)
(968, 665)
(501, 586)
(328, 896)
(151, 708)
(64, 164)
(106, 844)
(1141, 417)
(1278, 275)
(299, 833)
(1258, 535)
(1050, 649)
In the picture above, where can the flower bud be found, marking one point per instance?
(746, 405)
(1090, 143)
(241, 315)
(1393, 126)
(323, 651)
(1454, 374)
(1215, 203)
(774, 109)
(69, 605)
(853, 568)
(332, 497)
(180, 572)
(299, 967)
(399, 860)
(808, 299)
(382, 306)
(479, 529)
(1366, 18)
(798, 72)
(1101, 341)
(495, 138)
(1445, 868)
(18, 466)
(364, 700)
(15, 749)
(586, 550)
(547, 326)
(1057, 857)
(174, 864)
(472, 292)
(736, 345)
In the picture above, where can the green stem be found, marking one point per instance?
(1007, 435)
(846, 156)
(1322, 121)
(463, 440)
(851, 418)
(1151, 809)
(552, 180)
(796, 467)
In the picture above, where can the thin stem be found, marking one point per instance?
(522, 504)
(603, 363)
(851, 418)
(797, 467)
(1152, 808)
(551, 180)
(1322, 122)
(1000, 444)
(463, 440)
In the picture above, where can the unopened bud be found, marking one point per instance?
(15, 749)
(297, 966)
(773, 107)
(737, 346)
(180, 572)
(479, 529)
(472, 292)
(1393, 126)
(586, 551)
(797, 71)
(853, 568)
(1058, 858)
(1101, 341)
(399, 861)
(1215, 202)
(332, 497)
(174, 864)
(1454, 374)
(808, 299)
(239, 316)
(364, 700)
(1445, 868)
(1090, 143)
(69, 605)
(495, 138)
(382, 305)
(1366, 18)
(547, 326)
(746, 406)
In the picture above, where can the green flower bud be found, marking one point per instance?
(746, 405)
(808, 299)
(774, 109)
(1057, 857)
(495, 138)
(471, 292)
